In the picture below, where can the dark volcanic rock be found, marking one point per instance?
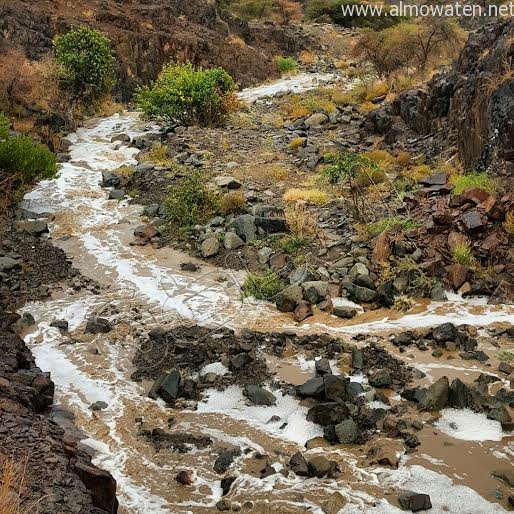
(415, 501)
(259, 396)
(330, 413)
(225, 459)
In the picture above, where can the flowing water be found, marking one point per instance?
(143, 286)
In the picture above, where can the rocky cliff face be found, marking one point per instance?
(471, 104)
(146, 34)
(58, 475)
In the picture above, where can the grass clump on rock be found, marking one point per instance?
(262, 287)
(373, 229)
(189, 96)
(462, 253)
(471, 180)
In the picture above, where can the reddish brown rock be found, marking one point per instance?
(475, 195)
(457, 274)
(494, 209)
(101, 484)
(303, 311)
(184, 477)
(490, 243)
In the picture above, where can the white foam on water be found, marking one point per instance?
(294, 84)
(216, 367)
(446, 497)
(232, 403)
(468, 425)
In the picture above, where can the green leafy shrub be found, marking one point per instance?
(350, 167)
(286, 64)
(190, 202)
(262, 287)
(184, 95)
(373, 229)
(86, 63)
(25, 160)
(4, 126)
(480, 180)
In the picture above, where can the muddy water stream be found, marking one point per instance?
(143, 286)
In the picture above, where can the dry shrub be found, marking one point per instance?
(286, 12)
(298, 106)
(403, 158)
(12, 486)
(508, 224)
(296, 143)
(232, 202)
(307, 57)
(312, 196)
(302, 223)
(277, 172)
(368, 107)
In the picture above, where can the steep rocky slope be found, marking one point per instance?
(471, 104)
(147, 34)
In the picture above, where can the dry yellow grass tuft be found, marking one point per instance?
(403, 158)
(232, 202)
(312, 196)
(307, 57)
(298, 106)
(12, 485)
(296, 143)
(302, 223)
(508, 224)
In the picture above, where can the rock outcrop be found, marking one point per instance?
(471, 102)
(58, 475)
(148, 34)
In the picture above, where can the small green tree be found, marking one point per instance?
(184, 95)
(86, 63)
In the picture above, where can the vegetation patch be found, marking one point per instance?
(183, 94)
(189, 202)
(312, 196)
(262, 287)
(85, 63)
(462, 253)
(480, 180)
(404, 223)
(233, 202)
(286, 64)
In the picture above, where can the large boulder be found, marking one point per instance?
(436, 396)
(244, 226)
(287, 299)
(259, 396)
(347, 431)
(315, 291)
(330, 413)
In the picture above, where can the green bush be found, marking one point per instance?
(86, 63)
(4, 126)
(184, 95)
(286, 64)
(190, 202)
(351, 167)
(26, 160)
(480, 180)
(262, 287)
